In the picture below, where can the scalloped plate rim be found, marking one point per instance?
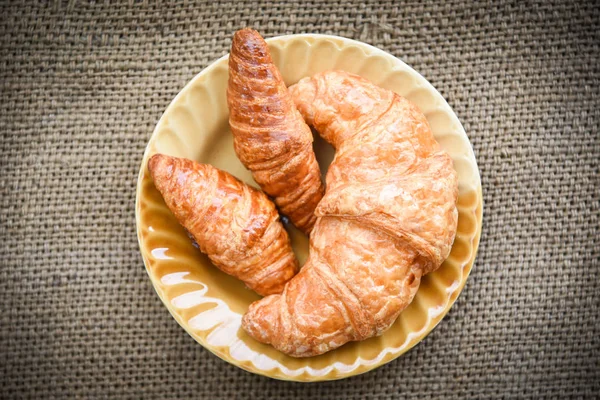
(432, 321)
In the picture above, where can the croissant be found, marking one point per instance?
(387, 218)
(270, 136)
(237, 226)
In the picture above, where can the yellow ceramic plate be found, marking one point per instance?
(209, 304)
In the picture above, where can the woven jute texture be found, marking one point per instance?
(83, 85)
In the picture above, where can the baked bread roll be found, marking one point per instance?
(236, 225)
(270, 136)
(388, 217)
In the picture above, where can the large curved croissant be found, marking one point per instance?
(387, 218)
(236, 225)
(270, 136)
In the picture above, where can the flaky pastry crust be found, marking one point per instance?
(237, 226)
(270, 136)
(388, 217)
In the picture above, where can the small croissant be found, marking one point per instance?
(388, 217)
(270, 136)
(236, 225)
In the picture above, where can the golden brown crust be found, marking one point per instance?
(270, 136)
(236, 225)
(388, 217)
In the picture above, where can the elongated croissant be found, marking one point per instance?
(237, 226)
(270, 136)
(387, 218)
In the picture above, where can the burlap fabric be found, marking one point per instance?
(83, 85)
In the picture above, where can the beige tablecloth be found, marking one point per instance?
(83, 85)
